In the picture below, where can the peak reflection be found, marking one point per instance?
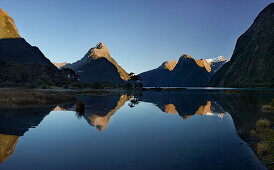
(7, 145)
(185, 103)
(100, 109)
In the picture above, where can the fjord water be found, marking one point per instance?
(191, 129)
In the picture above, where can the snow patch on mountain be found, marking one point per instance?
(215, 59)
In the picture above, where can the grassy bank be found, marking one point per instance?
(261, 139)
(28, 96)
(25, 97)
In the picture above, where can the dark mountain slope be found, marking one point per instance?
(22, 65)
(252, 62)
(31, 76)
(187, 72)
(100, 70)
(98, 66)
(159, 76)
(17, 50)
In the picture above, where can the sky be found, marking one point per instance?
(140, 34)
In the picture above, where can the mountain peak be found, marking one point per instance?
(96, 56)
(185, 56)
(216, 59)
(99, 45)
(7, 26)
(203, 63)
(99, 51)
(169, 65)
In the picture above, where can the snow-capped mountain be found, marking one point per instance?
(216, 63)
(216, 59)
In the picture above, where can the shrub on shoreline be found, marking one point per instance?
(263, 124)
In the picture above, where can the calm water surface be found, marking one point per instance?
(192, 129)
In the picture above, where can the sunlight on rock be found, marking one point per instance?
(206, 110)
(170, 64)
(58, 108)
(203, 110)
(7, 26)
(7, 145)
(101, 51)
(203, 63)
(101, 122)
(170, 108)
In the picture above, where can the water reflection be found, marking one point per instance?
(100, 109)
(170, 108)
(186, 103)
(243, 107)
(15, 122)
(7, 145)
(18, 120)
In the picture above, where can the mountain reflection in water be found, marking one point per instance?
(15, 122)
(186, 104)
(100, 119)
(244, 108)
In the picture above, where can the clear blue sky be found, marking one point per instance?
(140, 35)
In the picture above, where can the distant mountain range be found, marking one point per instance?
(186, 72)
(98, 66)
(252, 62)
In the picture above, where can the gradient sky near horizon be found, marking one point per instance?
(140, 34)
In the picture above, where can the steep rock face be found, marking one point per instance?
(212, 65)
(7, 26)
(169, 64)
(252, 61)
(216, 63)
(203, 63)
(100, 70)
(97, 66)
(188, 73)
(18, 50)
(23, 65)
(159, 76)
